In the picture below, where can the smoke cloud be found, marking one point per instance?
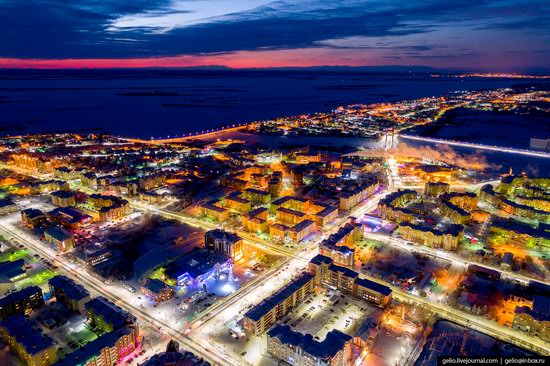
(441, 152)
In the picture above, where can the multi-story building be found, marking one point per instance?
(298, 349)
(466, 200)
(89, 180)
(436, 173)
(278, 232)
(225, 242)
(292, 203)
(174, 357)
(539, 203)
(68, 217)
(7, 207)
(63, 198)
(447, 239)
(109, 207)
(152, 181)
(352, 195)
(262, 316)
(454, 212)
(535, 319)
(237, 203)
(27, 341)
(33, 218)
(290, 216)
(392, 207)
(340, 246)
(21, 302)
(34, 163)
(13, 270)
(257, 196)
(329, 275)
(372, 291)
(108, 349)
(274, 186)
(64, 173)
(301, 230)
(49, 186)
(157, 290)
(255, 220)
(215, 212)
(105, 316)
(436, 189)
(517, 233)
(499, 200)
(323, 214)
(341, 255)
(66, 291)
(60, 239)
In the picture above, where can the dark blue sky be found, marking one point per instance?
(509, 35)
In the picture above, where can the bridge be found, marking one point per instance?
(501, 149)
(191, 136)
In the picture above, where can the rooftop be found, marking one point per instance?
(269, 303)
(58, 233)
(375, 286)
(27, 334)
(110, 312)
(71, 289)
(334, 342)
(195, 263)
(82, 355)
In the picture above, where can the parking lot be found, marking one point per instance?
(323, 312)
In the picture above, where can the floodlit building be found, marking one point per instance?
(66, 291)
(105, 316)
(257, 196)
(68, 217)
(237, 203)
(448, 238)
(60, 239)
(108, 349)
(290, 216)
(534, 320)
(27, 341)
(301, 230)
(436, 189)
(174, 357)
(255, 220)
(262, 316)
(21, 302)
(215, 212)
(225, 242)
(329, 275)
(298, 349)
(7, 207)
(392, 207)
(63, 198)
(514, 232)
(197, 266)
(33, 218)
(157, 290)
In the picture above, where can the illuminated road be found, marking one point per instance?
(538, 154)
(478, 323)
(449, 256)
(96, 285)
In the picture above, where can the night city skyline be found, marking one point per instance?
(271, 183)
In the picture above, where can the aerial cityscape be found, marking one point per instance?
(266, 183)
